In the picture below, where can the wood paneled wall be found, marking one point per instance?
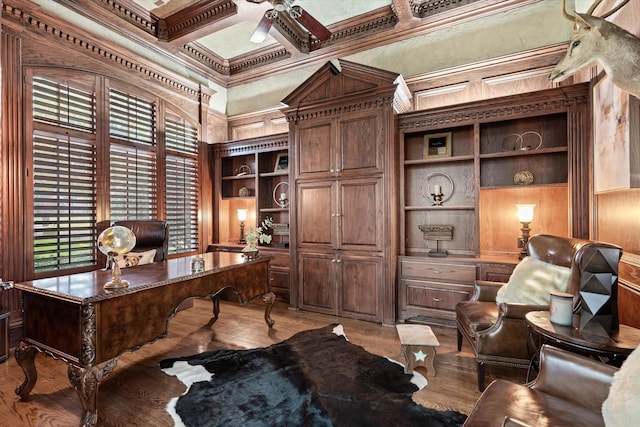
(616, 214)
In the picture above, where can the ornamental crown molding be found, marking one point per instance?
(551, 100)
(88, 46)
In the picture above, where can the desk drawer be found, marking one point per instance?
(463, 273)
(426, 294)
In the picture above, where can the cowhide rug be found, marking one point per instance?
(315, 378)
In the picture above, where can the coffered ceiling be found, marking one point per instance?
(212, 37)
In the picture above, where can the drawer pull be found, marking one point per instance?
(436, 299)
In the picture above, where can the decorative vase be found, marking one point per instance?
(250, 252)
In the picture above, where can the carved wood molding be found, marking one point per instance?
(499, 108)
(425, 8)
(314, 112)
(194, 17)
(239, 64)
(130, 12)
(88, 46)
(262, 143)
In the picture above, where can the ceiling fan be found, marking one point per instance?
(297, 13)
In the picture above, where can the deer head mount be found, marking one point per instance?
(595, 39)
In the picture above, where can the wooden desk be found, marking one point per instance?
(74, 319)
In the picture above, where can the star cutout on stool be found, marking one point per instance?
(420, 356)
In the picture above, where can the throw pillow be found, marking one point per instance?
(136, 258)
(532, 281)
(621, 408)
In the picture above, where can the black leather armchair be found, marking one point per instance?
(497, 333)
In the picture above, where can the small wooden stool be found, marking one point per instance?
(418, 346)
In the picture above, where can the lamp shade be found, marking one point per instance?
(525, 212)
(242, 214)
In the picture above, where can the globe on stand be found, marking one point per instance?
(114, 241)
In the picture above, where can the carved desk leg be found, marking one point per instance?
(86, 382)
(25, 356)
(269, 299)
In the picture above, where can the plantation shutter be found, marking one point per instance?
(133, 166)
(64, 176)
(182, 185)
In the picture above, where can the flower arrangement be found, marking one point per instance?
(253, 236)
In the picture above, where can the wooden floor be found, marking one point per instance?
(136, 392)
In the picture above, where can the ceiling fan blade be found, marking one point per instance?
(256, 1)
(314, 26)
(261, 31)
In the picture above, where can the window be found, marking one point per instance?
(181, 140)
(133, 176)
(134, 173)
(64, 177)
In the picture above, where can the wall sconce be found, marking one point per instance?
(525, 216)
(242, 217)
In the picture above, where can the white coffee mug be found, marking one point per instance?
(561, 308)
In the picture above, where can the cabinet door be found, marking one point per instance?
(360, 225)
(316, 149)
(361, 287)
(315, 207)
(360, 147)
(317, 284)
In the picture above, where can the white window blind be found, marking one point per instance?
(64, 202)
(133, 192)
(131, 118)
(132, 163)
(64, 177)
(182, 185)
(61, 105)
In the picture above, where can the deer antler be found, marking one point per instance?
(564, 12)
(614, 10)
(593, 7)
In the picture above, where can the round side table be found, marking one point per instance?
(612, 350)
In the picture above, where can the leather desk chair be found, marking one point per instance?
(150, 234)
(497, 333)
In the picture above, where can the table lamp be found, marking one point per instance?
(114, 241)
(242, 217)
(525, 216)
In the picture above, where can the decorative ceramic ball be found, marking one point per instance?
(523, 178)
(244, 192)
(116, 240)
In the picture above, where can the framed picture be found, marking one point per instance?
(437, 144)
(282, 162)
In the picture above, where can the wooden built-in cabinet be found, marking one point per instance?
(429, 288)
(247, 177)
(344, 227)
(487, 156)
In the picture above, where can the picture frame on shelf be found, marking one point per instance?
(282, 163)
(437, 145)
